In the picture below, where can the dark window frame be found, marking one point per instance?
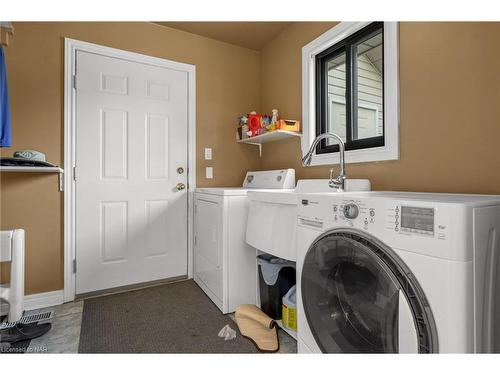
(345, 46)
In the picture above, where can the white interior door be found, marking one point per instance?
(131, 137)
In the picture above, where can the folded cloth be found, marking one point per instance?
(21, 332)
(256, 326)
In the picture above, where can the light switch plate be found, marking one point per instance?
(209, 173)
(208, 154)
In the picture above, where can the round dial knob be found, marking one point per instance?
(351, 211)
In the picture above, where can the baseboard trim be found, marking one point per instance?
(37, 301)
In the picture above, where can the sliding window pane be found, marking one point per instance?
(369, 87)
(336, 99)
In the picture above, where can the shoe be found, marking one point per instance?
(21, 332)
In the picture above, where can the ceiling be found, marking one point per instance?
(253, 35)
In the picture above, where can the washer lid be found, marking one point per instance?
(228, 191)
(359, 297)
(223, 191)
(277, 179)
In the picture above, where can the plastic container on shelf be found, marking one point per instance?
(289, 314)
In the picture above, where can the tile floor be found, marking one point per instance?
(65, 333)
(64, 336)
(288, 344)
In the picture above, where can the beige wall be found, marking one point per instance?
(450, 114)
(450, 107)
(227, 84)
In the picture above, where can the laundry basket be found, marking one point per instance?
(276, 277)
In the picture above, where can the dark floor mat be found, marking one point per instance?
(17, 348)
(173, 318)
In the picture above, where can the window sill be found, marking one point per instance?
(357, 156)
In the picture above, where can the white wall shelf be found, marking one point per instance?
(21, 169)
(272, 136)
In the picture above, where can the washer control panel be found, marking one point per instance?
(412, 219)
(351, 211)
(397, 217)
(423, 227)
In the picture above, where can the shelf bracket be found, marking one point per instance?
(257, 144)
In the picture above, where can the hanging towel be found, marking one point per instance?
(5, 139)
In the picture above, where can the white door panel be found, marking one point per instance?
(131, 136)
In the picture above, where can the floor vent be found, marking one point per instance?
(33, 317)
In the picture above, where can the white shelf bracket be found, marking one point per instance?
(260, 147)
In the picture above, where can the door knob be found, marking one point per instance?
(180, 186)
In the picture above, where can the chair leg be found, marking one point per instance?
(16, 293)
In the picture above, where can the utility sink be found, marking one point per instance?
(272, 215)
(321, 185)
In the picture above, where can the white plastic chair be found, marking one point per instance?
(12, 250)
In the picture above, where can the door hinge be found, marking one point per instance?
(74, 81)
(74, 265)
(74, 173)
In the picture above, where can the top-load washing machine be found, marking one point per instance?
(224, 264)
(388, 272)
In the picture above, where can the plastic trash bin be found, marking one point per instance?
(276, 277)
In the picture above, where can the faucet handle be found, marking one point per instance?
(337, 182)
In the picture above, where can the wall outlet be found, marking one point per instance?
(209, 173)
(208, 154)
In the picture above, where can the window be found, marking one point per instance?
(350, 77)
(350, 90)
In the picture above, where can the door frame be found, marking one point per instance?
(71, 46)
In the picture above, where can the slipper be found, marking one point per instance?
(21, 332)
(259, 328)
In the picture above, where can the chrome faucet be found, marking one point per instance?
(335, 182)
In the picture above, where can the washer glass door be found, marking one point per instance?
(354, 301)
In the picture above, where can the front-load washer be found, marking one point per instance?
(389, 272)
(224, 265)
